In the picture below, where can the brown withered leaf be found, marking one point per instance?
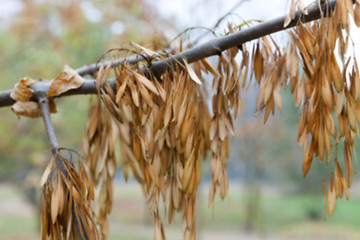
(21, 91)
(145, 50)
(191, 73)
(331, 196)
(121, 90)
(47, 172)
(66, 80)
(339, 104)
(277, 96)
(308, 157)
(210, 67)
(31, 109)
(143, 80)
(54, 206)
(357, 14)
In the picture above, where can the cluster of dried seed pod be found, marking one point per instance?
(165, 128)
(328, 89)
(99, 154)
(225, 104)
(273, 69)
(165, 125)
(67, 193)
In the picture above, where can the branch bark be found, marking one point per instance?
(210, 48)
(44, 107)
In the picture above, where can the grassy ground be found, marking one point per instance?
(278, 216)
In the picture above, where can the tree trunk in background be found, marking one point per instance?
(252, 187)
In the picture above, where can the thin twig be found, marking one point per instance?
(44, 107)
(210, 48)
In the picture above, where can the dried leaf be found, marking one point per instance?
(121, 90)
(21, 91)
(210, 67)
(145, 82)
(31, 109)
(66, 80)
(339, 104)
(331, 196)
(46, 173)
(191, 73)
(54, 206)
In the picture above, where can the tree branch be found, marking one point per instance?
(210, 48)
(44, 107)
(91, 69)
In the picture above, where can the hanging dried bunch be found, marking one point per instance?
(67, 192)
(165, 128)
(273, 69)
(99, 154)
(330, 89)
(225, 104)
(327, 89)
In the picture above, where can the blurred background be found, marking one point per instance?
(268, 197)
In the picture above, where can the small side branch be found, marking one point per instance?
(44, 106)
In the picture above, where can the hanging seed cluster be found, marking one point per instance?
(327, 90)
(165, 126)
(67, 193)
(99, 154)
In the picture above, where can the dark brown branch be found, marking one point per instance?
(210, 48)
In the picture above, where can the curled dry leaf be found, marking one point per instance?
(31, 109)
(66, 80)
(191, 73)
(21, 91)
